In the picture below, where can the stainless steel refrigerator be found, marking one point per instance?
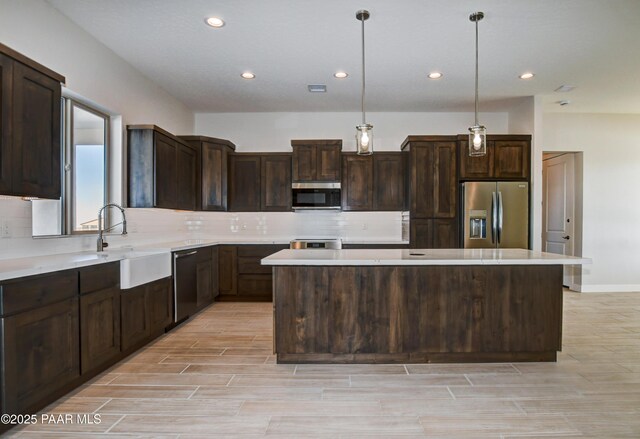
(496, 214)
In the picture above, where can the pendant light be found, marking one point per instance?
(477, 133)
(364, 133)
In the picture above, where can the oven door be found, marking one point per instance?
(315, 196)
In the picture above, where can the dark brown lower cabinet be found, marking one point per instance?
(99, 317)
(242, 277)
(99, 328)
(227, 271)
(434, 233)
(146, 311)
(207, 275)
(40, 355)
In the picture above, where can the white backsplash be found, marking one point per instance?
(147, 226)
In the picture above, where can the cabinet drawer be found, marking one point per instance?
(99, 277)
(31, 292)
(259, 251)
(251, 265)
(255, 285)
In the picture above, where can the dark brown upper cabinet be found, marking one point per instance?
(316, 160)
(244, 182)
(357, 182)
(212, 178)
(388, 186)
(432, 176)
(30, 111)
(508, 158)
(374, 182)
(162, 169)
(275, 182)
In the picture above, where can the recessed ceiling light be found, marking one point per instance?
(527, 75)
(248, 75)
(565, 88)
(317, 88)
(435, 75)
(340, 75)
(214, 21)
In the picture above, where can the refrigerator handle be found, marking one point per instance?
(494, 217)
(500, 216)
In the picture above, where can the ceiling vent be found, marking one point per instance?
(565, 88)
(317, 88)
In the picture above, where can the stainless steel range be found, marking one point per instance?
(301, 244)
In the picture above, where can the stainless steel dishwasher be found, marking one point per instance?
(185, 293)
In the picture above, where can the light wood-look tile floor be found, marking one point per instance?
(215, 377)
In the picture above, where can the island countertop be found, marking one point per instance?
(391, 257)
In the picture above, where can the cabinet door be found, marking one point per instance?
(477, 167)
(166, 172)
(328, 162)
(388, 181)
(445, 233)
(511, 159)
(204, 283)
(186, 177)
(40, 355)
(159, 305)
(135, 321)
(227, 269)
(244, 183)
(214, 177)
(421, 180)
(444, 180)
(357, 182)
(6, 69)
(36, 149)
(215, 284)
(276, 183)
(421, 233)
(304, 163)
(99, 328)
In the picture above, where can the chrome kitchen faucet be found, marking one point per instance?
(101, 244)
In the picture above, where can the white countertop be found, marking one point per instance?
(315, 257)
(29, 266)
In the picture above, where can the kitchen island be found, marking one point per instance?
(417, 306)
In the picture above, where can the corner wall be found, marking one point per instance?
(611, 206)
(273, 131)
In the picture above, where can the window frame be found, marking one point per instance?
(69, 177)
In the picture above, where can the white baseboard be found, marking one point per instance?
(605, 288)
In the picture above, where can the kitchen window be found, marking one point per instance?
(85, 132)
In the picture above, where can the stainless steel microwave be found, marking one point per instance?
(309, 196)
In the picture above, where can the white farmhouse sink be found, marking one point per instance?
(141, 267)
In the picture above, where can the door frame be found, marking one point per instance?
(575, 270)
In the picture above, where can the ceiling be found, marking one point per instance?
(590, 44)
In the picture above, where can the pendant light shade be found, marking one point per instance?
(364, 132)
(477, 133)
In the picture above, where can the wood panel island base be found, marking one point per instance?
(417, 306)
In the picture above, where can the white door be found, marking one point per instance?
(558, 207)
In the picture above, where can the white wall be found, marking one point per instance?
(37, 30)
(92, 71)
(274, 131)
(611, 205)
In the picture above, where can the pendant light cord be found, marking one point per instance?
(363, 80)
(476, 72)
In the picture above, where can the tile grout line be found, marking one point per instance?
(103, 404)
(451, 393)
(116, 423)
(194, 392)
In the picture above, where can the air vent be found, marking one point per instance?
(565, 88)
(317, 88)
